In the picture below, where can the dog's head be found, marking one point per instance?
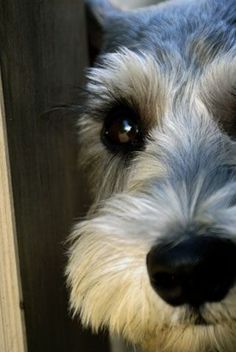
(156, 259)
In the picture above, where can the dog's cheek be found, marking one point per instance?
(109, 286)
(98, 163)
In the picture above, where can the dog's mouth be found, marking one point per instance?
(199, 320)
(194, 316)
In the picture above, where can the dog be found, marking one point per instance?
(155, 259)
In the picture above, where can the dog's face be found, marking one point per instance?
(156, 260)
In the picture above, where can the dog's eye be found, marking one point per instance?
(121, 130)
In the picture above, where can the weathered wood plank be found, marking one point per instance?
(43, 54)
(12, 331)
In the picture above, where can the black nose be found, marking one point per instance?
(197, 270)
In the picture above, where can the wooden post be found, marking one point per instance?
(12, 329)
(43, 56)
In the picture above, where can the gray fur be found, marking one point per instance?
(174, 63)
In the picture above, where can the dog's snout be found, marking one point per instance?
(197, 270)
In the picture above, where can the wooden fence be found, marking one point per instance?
(43, 55)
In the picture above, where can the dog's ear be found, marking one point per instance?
(98, 13)
(101, 11)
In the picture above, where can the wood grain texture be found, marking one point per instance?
(43, 55)
(12, 331)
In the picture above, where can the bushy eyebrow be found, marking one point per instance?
(218, 82)
(98, 102)
(127, 78)
(217, 89)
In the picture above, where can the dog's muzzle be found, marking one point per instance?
(197, 270)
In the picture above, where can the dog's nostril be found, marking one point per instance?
(198, 270)
(166, 280)
(169, 285)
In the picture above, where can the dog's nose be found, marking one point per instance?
(197, 270)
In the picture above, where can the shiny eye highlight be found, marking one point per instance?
(121, 130)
